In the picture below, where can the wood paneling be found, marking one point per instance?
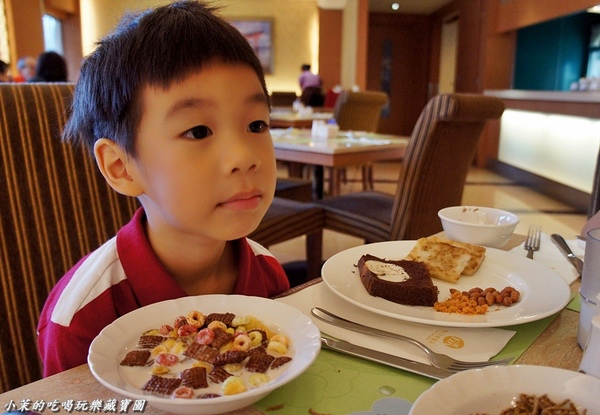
(514, 14)
(330, 46)
(410, 39)
(26, 35)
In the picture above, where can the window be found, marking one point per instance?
(53, 34)
(4, 48)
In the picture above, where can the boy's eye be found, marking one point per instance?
(258, 127)
(199, 132)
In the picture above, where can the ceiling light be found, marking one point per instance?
(395, 6)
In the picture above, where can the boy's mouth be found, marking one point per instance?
(243, 200)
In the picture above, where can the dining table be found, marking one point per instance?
(336, 383)
(346, 148)
(288, 118)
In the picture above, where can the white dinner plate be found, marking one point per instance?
(115, 340)
(493, 389)
(543, 292)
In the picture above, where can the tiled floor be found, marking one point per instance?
(483, 188)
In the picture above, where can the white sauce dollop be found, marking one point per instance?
(387, 272)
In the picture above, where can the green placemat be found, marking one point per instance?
(338, 384)
(575, 303)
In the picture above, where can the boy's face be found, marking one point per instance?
(204, 155)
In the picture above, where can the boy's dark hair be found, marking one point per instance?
(158, 47)
(305, 67)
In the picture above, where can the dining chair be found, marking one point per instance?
(56, 207)
(283, 98)
(331, 97)
(358, 111)
(288, 219)
(432, 174)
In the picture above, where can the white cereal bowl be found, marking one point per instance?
(478, 225)
(109, 347)
(495, 388)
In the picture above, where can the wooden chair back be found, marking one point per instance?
(283, 98)
(359, 111)
(434, 169)
(55, 207)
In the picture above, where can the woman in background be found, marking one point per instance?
(51, 67)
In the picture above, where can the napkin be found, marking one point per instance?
(550, 256)
(469, 344)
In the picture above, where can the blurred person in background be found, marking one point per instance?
(51, 67)
(5, 72)
(26, 68)
(311, 85)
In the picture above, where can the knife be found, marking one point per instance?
(564, 248)
(345, 347)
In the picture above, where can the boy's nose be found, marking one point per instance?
(241, 155)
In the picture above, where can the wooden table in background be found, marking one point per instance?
(348, 148)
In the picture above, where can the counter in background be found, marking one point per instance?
(550, 140)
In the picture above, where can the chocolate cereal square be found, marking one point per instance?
(226, 318)
(150, 341)
(221, 338)
(218, 374)
(259, 363)
(209, 396)
(194, 377)
(202, 353)
(161, 386)
(280, 361)
(230, 356)
(257, 350)
(136, 358)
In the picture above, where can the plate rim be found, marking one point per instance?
(462, 320)
(99, 360)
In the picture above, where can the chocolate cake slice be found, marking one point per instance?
(403, 282)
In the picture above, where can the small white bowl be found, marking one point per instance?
(478, 225)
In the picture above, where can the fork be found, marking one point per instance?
(439, 360)
(532, 243)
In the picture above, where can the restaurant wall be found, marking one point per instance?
(24, 21)
(553, 54)
(295, 30)
(330, 39)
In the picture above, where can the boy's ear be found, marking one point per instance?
(113, 163)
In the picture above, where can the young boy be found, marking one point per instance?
(175, 108)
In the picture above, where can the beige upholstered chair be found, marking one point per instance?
(359, 111)
(55, 207)
(432, 176)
